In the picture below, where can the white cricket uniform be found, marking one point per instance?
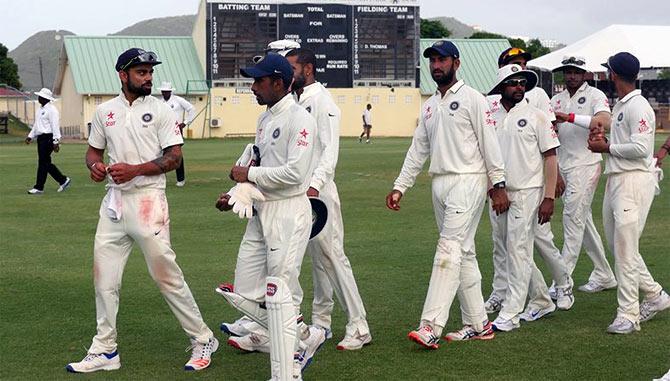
(464, 154)
(526, 133)
(47, 121)
(275, 239)
(330, 266)
(580, 169)
(136, 134)
(628, 196)
(184, 110)
(367, 118)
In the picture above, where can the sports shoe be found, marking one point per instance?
(201, 356)
(552, 291)
(360, 140)
(354, 342)
(469, 333)
(535, 314)
(593, 287)
(493, 304)
(623, 326)
(367, 141)
(665, 377)
(65, 185)
(504, 325)
(312, 344)
(425, 337)
(94, 362)
(35, 191)
(650, 307)
(236, 328)
(181, 183)
(564, 298)
(252, 342)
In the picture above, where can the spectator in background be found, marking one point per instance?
(367, 124)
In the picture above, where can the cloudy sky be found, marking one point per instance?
(563, 20)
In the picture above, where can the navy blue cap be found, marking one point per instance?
(624, 64)
(444, 48)
(270, 64)
(135, 56)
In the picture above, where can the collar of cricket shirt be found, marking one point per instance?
(283, 104)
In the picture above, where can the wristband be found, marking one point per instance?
(666, 147)
(571, 117)
(56, 141)
(583, 121)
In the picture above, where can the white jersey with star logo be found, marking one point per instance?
(631, 135)
(134, 134)
(285, 137)
(574, 150)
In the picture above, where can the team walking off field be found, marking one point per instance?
(510, 153)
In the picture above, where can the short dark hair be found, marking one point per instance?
(280, 77)
(628, 79)
(305, 56)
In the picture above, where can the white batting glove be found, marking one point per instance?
(242, 197)
(247, 155)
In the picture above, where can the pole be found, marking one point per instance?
(41, 72)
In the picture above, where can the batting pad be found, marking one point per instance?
(248, 307)
(282, 326)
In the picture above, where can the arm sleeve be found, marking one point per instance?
(489, 147)
(641, 123)
(547, 138)
(54, 118)
(297, 166)
(544, 104)
(329, 139)
(600, 103)
(167, 128)
(189, 109)
(414, 160)
(96, 138)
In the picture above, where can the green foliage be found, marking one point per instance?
(433, 29)
(47, 295)
(664, 74)
(9, 72)
(534, 47)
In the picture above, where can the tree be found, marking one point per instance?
(9, 72)
(433, 29)
(536, 49)
(534, 46)
(664, 74)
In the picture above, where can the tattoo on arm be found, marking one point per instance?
(170, 160)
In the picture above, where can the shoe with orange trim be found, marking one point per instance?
(425, 337)
(201, 356)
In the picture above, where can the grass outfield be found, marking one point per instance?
(47, 310)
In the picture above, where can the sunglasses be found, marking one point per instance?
(574, 61)
(515, 82)
(146, 57)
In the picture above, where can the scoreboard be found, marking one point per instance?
(353, 41)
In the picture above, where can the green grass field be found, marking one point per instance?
(47, 310)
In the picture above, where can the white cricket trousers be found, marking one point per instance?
(628, 198)
(458, 201)
(145, 221)
(331, 270)
(578, 227)
(274, 244)
(521, 218)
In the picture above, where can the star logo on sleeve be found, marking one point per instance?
(304, 133)
(303, 142)
(110, 115)
(644, 127)
(110, 120)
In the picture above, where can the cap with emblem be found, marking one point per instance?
(136, 56)
(270, 64)
(443, 48)
(509, 71)
(624, 64)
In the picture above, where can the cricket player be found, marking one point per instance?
(531, 169)
(561, 289)
(276, 237)
(185, 113)
(628, 194)
(464, 157)
(143, 142)
(576, 108)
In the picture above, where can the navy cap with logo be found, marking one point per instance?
(135, 56)
(270, 64)
(624, 64)
(443, 48)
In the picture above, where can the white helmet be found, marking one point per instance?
(282, 47)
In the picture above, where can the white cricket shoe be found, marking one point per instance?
(312, 344)
(425, 337)
(650, 307)
(623, 326)
(552, 291)
(593, 287)
(532, 314)
(94, 362)
(665, 377)
(252, 342)
(505, 325)
(469, 333)
(181, 183)
(35, 191)
(493, 304)
(65, 185)
(201, 356)
(564, 298)
(236, 328)
(354, 342)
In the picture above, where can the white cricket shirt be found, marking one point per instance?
(367, 117)
(184, 111)
(574, 151)
(134, 134)
(47, 121)
(285, 136)
(631, 135)
(454, 132)
(537, 97)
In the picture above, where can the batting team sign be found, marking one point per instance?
(352, 40)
